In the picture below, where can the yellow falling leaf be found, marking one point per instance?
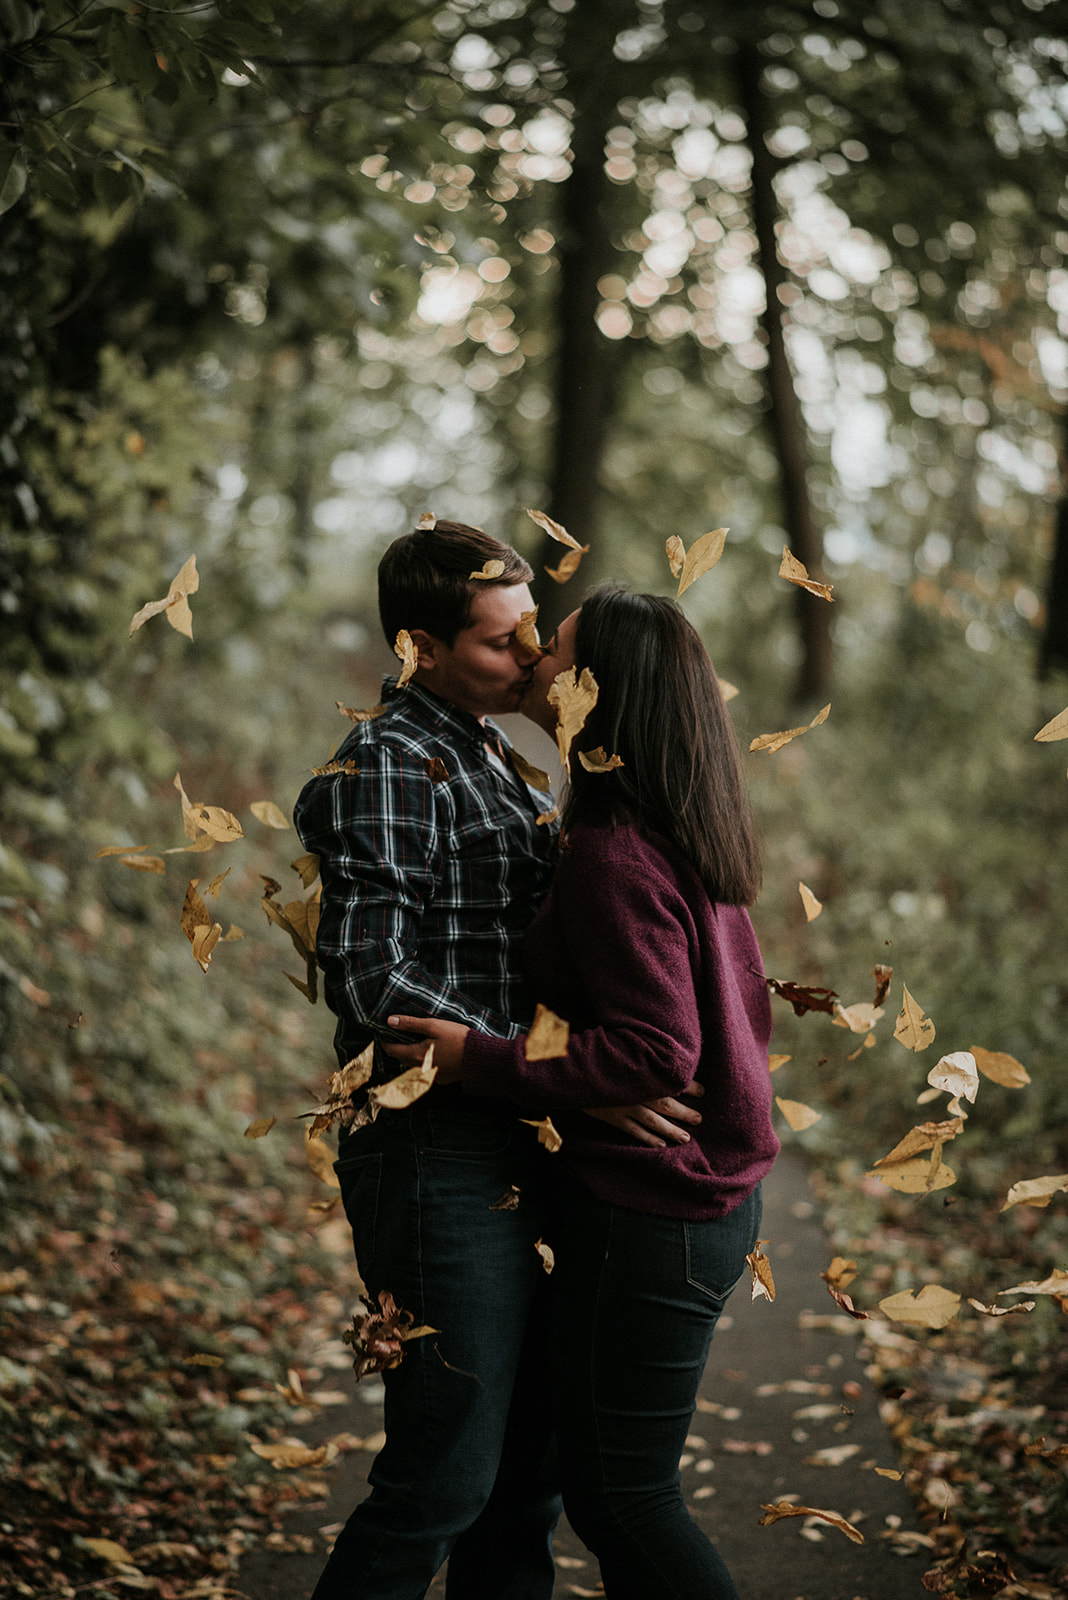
(796, 572)
(233, 934)
(360, 716)
(261, 1126)
(1056, 1283)
(267, 812)
(727, 690)
(427, 522)
(775, 741)
(927, 1136)
(321, 1161)
(405, 651)
(526, 630)
(555, 530)
(408, 1087)
(548, 1036)
(1000, 1068)
(840, 1273)
(797, 1115)
(546, 817)
(349, 768)
(889, 1472)
(676, 554)
(531, 775)
(932, 1307)
(595, 760)
(786, 1508)
(1002, 1311)
(144, 864)
(775, 1062)
(1035, 1191)
(916, 1176)
(490, 569)
(812, 906)
(914, 1030)
(547, 1133)
(699, 559)
(175, 602)
(548, 1259)
(762, 1281)
(568, 565)
(118, 850)
(217, 882)
(1057, 728)
(307, 869)
(573, 701)
(859, 1018)
(956, 1074)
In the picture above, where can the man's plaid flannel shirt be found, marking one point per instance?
(433, 864)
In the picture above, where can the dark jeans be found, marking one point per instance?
(467, 1411)
(634, 1301)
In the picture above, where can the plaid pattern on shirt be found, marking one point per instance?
(432, 864)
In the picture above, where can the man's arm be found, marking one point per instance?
(376, 833)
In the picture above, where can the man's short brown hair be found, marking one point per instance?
(424, 578)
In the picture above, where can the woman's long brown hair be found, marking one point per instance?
(661, 711)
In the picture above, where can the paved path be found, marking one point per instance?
(784, 1381)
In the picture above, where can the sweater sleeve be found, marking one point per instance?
(627, 945)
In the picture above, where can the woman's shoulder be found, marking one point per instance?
(623, 848)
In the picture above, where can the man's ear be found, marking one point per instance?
(426, 648)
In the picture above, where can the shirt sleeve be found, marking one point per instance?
(378, 839)
(627, 939)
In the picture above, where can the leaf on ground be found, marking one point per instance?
(812, 906)
(547, 1133)
(775, 741)
(797, 1115)
(1000, 1068)
(786, 1508)
(914, 1030)
(267, 812)
(795, 571)
(489, 569)
(595, 760)
(574, 700)
(548, 1036)
(1035, 1191)
(699, 559)
(832, 1455)
(405, 651)
(531, 775)
(932, 1307)
(175, 602)
(293, 1454)
(261, 1126)
(762, 1280)
(108, 1550)
(353, 715)
(1057, 728)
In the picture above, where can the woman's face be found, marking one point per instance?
(557, 656)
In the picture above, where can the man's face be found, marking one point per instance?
(485, 670)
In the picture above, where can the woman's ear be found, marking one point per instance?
(426, 647)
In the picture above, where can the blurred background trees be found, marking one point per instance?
(275, 280)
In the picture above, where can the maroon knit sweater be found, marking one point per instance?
(660, 985)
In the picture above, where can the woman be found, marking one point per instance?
(645, 947)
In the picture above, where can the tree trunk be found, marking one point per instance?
(787, 426)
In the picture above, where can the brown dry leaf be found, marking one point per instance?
(405, 651)
(956, 1074)
(548, 1036)
(202, 1360)
(573, 701)
(217, 882)
(198, 927)
(360, 716)
(795, 571)
(1056, 1283)
(882, 976)
(321, 1161)
(775, 1062)
(568, 565)
(1002, 1311)
(914, 1030)
(118, 850)
(927, 1136)
(217, 823)
(233, 934)
(555, 530)
(189, 826)
(509, 1201)
(408, 1087)
(547, 1134)
(916, 1176)
(531, 775)
(1000, 1068)
(427, 522)
(338, 1106)
(840, 1273)
(144, 863)
(676, 554)
(267, 812)
(307, 869)
(546, 817)
(262, 1125)
(526, 630)
(832, 1455)
(933, 1307)
(108, 1550)
(288, 1455)
(490, 569)
(700, 558)
(548, 1259)
(1035, 1191)
(786, 1508)
(845, 1303)
(812, 906)
(889, 1472)
(761, 1278)
(1057, 728)
(775, 741)
(595, 760)
(349, 767)
(727, 690)
(436, 769)
(797, 1115)
(803, 998)
(860, 1018)
(175, 602)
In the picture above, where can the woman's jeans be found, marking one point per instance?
(634, 1301)
(429, 1194)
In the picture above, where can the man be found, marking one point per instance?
(433, 862)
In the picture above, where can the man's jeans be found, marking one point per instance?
(634, 1301)
(429, 1194)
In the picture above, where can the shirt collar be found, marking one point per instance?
(443, 715)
